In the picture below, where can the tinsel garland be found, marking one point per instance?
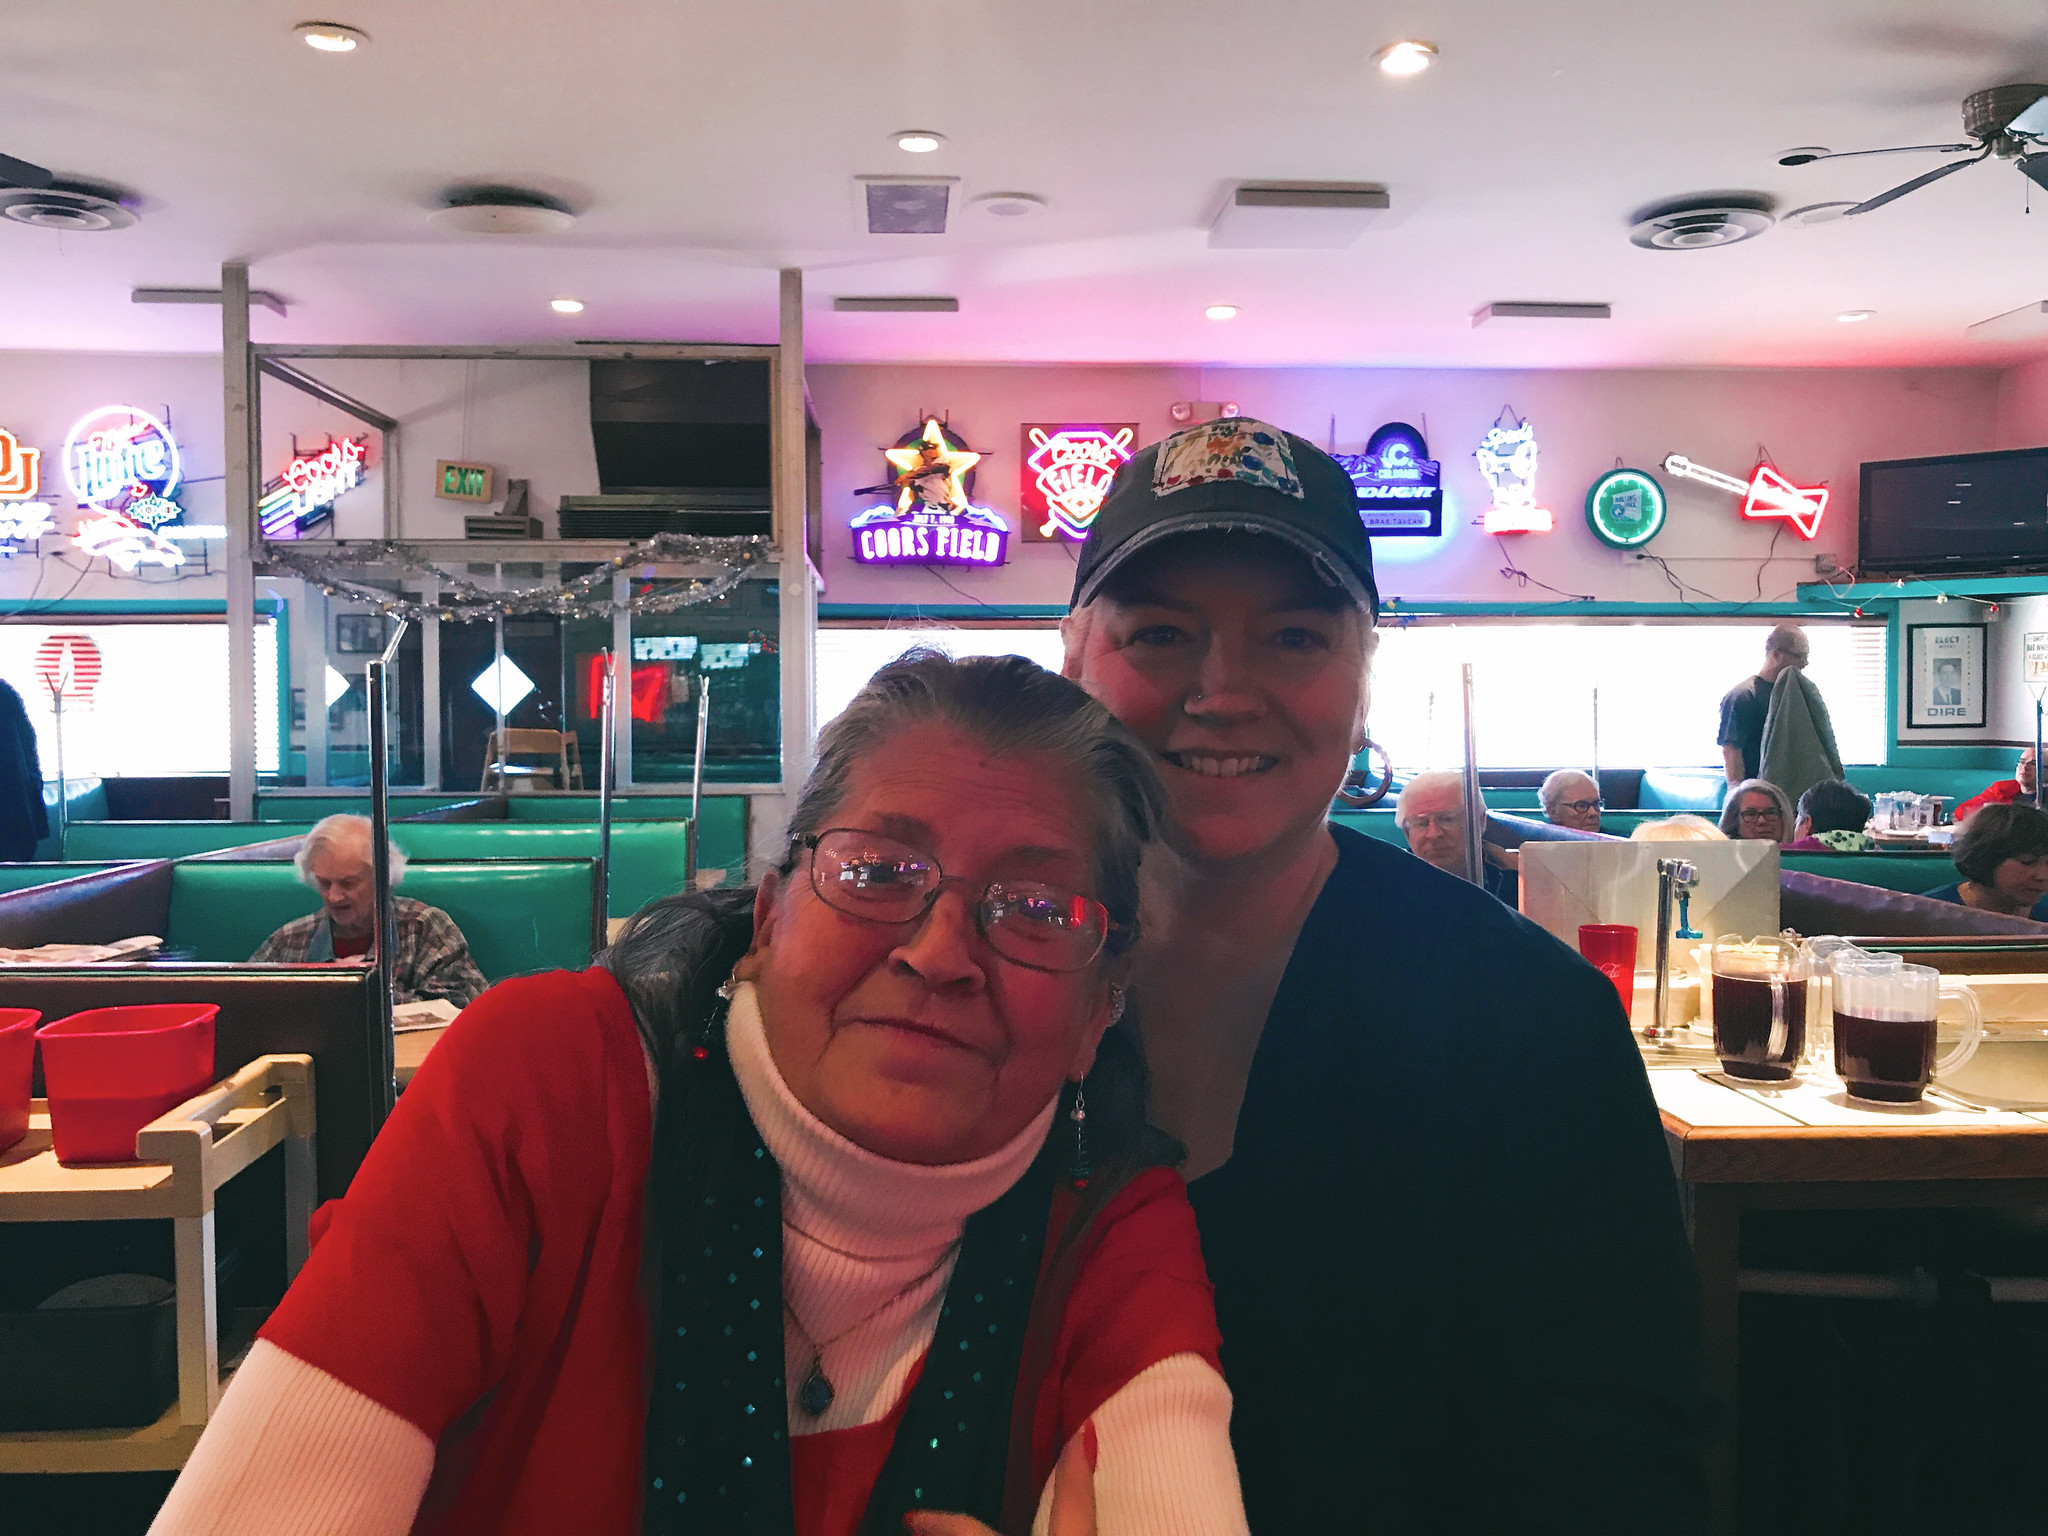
(587, 597)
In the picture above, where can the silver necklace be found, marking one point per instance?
(816, 1393)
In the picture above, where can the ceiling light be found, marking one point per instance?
(566, 306)
(1009, 205)
(919, 141)
(1407, 57)
(330, 36)
(1851, 316)
(1221, 311)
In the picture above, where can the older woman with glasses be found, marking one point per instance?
(1758, 810)
(897, 1243)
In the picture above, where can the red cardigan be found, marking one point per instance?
(482, 1279)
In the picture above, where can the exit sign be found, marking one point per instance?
(455, 481)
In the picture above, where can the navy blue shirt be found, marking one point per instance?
(1452, 1279)
(1954, 893)
(1745, 709)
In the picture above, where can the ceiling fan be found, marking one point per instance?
(2006, 121)
(19, 173)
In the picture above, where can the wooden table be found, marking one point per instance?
(1809, 1147)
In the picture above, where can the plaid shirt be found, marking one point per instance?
(432, 960)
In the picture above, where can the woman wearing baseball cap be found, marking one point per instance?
(1432, 1186)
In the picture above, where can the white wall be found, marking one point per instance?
(1818, 425)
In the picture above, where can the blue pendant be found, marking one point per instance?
(816, 1394)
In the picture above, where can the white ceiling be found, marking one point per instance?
(708, 144)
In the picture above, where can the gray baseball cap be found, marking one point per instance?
(1236, 475)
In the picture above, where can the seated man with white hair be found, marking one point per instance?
(431, 958)
(1571, 799)
(1431, 815)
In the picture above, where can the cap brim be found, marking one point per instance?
(1329, 567)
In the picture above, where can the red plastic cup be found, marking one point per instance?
(110, 1071)
(17, 1071)
(1611, 947)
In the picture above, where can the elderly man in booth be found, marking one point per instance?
(1571, 799)
(1431, 815)
(432, 957)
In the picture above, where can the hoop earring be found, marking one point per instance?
(1081, 1170)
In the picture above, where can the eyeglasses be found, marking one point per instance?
(875, 878)
(1422, 821)
(1581, 807)
(1758, 818)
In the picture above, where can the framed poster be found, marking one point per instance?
(1944, 676)
(358, 634)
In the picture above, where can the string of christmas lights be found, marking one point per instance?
(340, 574)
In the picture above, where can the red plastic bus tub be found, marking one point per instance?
(17, 1071)
(110, 1071)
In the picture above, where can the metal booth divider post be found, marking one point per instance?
(384, 1091)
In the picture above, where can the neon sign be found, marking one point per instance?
(21, 469)
(1625, 508)
(22, 518)
(1765, 494)
(1507, 458)
(1400, 487)
(311, 484)
(931, 522)
(1067, 471)
(118, 454)
(122, 543)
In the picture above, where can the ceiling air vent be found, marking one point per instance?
(893, 305)
(1296, 215)
(1518, 309)
(69, 206)
(1701, 223)
(906, 205)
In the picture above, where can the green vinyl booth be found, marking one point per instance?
(19, 877)
(519, 915)
(647, 856)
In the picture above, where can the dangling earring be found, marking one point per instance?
(1081, 1170)
(1116, 1004)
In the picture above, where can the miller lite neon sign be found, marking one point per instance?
(1067, 471)
(122, 465)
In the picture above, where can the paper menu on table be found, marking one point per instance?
(428, 1013)
(1565, 884)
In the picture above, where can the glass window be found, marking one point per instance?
(848, 657)
(1660, 687)
(159, 705)
(729, 645)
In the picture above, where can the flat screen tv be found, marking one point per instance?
(1969, 513)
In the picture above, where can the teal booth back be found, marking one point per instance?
(16, 877)
(1911, 873)
(519, 915)
(115, 840)
(647, 856)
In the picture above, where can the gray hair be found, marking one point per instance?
(1007, 705)
(1429, 778)
(1560, 784)
(1731, 808)
(331, 832)
(1788, 640)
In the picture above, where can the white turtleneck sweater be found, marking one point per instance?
(294, 1452)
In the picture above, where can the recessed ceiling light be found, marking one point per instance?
(1009, 205)
(330, 36)
(1410, 56)
(1221, 311)
(919, 141)
(1851, 316)
(566, 306)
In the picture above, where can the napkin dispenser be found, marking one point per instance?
(1567, 884)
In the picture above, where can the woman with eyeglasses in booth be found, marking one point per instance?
(1756, 809)
(824, 1208)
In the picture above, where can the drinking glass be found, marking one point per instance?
(1884, 1015)
(1760, 995)
(1611, 948)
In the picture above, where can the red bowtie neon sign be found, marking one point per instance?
(1765, 494)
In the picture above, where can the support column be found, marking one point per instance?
(799, 597)
(238, 388)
